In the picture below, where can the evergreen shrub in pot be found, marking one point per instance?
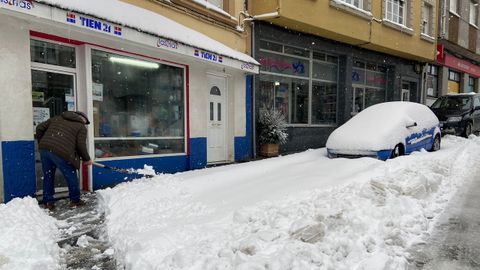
(271, 129)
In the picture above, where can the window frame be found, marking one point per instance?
(394, 16)
(352, 3)
(427, 18)
(473, 13)
(453, 6)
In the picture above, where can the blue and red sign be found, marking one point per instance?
(71, 18)
(208, 56)
(93, 24)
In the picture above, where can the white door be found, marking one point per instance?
(216, 148)
(53, 92)
(405, 95)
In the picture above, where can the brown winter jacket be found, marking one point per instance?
(66, 136)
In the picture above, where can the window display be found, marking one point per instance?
(285, 84)
(138, 106)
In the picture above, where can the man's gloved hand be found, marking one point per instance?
(88, 162)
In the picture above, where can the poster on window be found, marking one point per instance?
(97, 91)
(40, 115)
(38, 96)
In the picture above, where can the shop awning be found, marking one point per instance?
(129, 22)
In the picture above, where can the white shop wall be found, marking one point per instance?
(15, 80)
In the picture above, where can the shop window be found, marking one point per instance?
(138, 106)
(369, 85)
(396, 11)
(471, 84)
(271, 46)
(282, 64)
(432, 81)
(324, 103)
(52, 54)
(285, 79)
(453, 82)
(296, 51)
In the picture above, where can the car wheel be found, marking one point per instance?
(436, 143)
(397, 151)
(468, 130)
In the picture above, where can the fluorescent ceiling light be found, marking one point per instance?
(134, 62)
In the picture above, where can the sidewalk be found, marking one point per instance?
(83, 240)
(455, 241)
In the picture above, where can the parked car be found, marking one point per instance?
(386, 130)
(459, 114)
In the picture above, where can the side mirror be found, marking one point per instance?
(414, 124)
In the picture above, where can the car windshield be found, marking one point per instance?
(453, 103)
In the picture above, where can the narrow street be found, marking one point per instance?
(455, 241)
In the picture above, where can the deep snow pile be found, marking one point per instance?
(302, 211)
(27, 237)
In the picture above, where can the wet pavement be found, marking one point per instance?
(83, 240)
(455, 240)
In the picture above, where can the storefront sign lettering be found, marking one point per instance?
(208, 56)
(161, 42)
(247, 66)
(93, 24)
(376, 80)
(281, 65)
(21, 4)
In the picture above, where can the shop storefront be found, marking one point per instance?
(152, 100)
(460, 75)
(318, 84)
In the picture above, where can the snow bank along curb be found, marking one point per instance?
(366, 224)
(27, 236)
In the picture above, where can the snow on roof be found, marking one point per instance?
(147, 21)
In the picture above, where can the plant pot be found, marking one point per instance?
(269, 150)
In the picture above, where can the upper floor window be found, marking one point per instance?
(473, 12)
(217, 3)
(396, 11)
(427, 19)
(454, 6)
(355, 3)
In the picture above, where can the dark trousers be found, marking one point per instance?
(50, 162)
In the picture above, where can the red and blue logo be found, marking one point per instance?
(117, 30)
(71, 18)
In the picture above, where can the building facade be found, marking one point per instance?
(324, 61)
(156, 91)
(457, 66)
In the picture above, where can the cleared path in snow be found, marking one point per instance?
(455, 241)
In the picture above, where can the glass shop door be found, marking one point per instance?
(53, 92)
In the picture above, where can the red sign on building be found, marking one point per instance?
(456, 63)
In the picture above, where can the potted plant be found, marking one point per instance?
(271, 132)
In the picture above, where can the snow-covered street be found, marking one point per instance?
(301, 211)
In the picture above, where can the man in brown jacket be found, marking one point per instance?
(62, 141)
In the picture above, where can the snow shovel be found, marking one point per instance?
(120, 170)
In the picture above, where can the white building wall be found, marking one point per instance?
(15, 80)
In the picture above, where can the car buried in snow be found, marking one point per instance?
(386, 130)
